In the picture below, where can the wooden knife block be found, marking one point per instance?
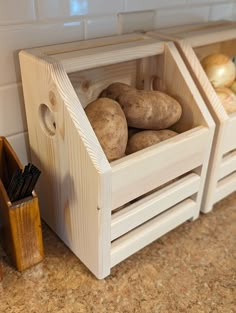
(20, 220)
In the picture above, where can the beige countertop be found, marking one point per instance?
(192, 269)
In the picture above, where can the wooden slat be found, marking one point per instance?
(225, 187)
(199, 34)
(157, 165)
(228, 165)
(230, 137)
(183, 29)
(152, 205)
(101, 56)
(85, 44)
(150, 231)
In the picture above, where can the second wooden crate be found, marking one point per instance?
(80, 190)
(195, 42)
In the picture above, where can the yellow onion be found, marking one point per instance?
(233, 87)
(228, 99)
(220, 70)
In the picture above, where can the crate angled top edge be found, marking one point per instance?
(199, 34)
(87, 54)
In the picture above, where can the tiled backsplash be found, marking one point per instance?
(30, 23)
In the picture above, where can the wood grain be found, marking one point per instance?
(21, 225)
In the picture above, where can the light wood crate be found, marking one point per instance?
(195, 42)
(80, 190)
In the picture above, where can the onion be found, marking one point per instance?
(220, 70)
(233, 87)
(228, 99)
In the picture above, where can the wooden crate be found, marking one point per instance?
(21, 232)
(80, 190)
(195, 42)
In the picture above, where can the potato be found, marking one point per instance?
(109, 124)
(147, 138)
(145, 109)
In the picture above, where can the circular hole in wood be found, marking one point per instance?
(47, 120)
(154, 83)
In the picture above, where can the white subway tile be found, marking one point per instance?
(13, 11)
(12, 116)
(51, 9)
(191, 2)
(136, 21)
(61, 8)
(217, 1)
(20, 144)
(17, 37)
(67, 8)
(181, 16)
(101, 26)
(103, 7)
(221, 12)
(137, 5)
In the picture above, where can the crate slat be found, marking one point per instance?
(230, 138)
(228, 165)
(150, 231)
(157, 166)
(225, 187)
(152, 205)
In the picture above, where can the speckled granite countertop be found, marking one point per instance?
(192, 269)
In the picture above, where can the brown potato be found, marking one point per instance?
(110, 126)
(147, 138)
(145, 109)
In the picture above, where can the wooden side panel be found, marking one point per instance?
(225, 187)
(229, 142)
(179, 83)
(135, 214)
(157, 165)
(150, 231)
(227, 47)
(228, 165)
(220, 118)
(88, 84)
(75, 185)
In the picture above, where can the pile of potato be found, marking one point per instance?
(126, 120)
(221, 71)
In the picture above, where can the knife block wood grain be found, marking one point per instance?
(21, 230)
(1, 274)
